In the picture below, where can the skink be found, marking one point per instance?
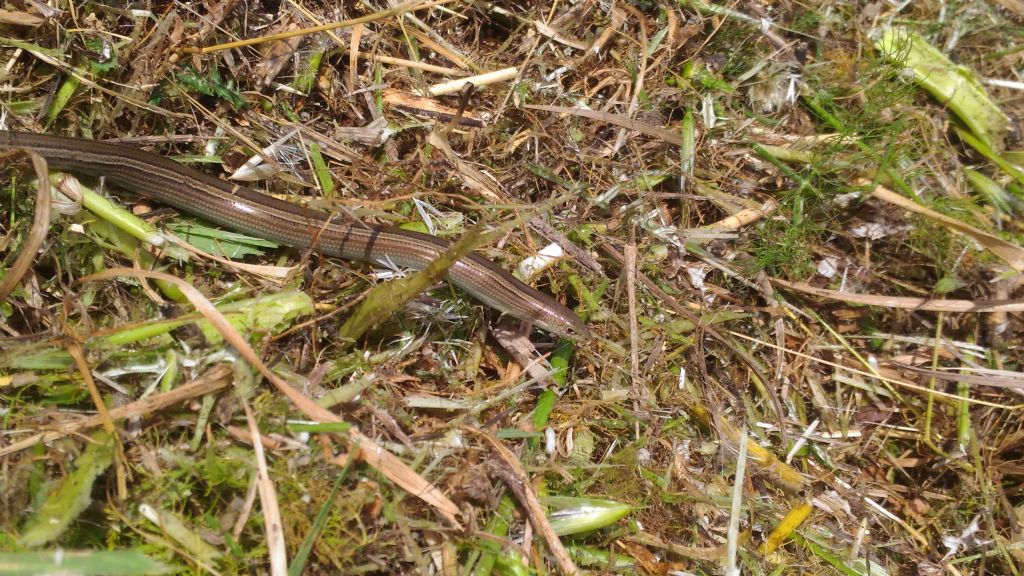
(246, 210)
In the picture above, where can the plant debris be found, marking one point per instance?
(793, 231)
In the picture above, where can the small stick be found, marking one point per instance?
(479, 80)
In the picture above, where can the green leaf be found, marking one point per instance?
(61, 98)
(513, 434)
(575, 515)
(221, 242)
(952, 85)
(323, 175)
(560, 361)
(29, 47)
(985, 150)
(102, 48)
(947, 284)
(494, 555)
(542, 171)
(172, 526)
(211, 85)
(81, 563)
(383, 301)
(72, 495)
(321, 428)
(545, 404)
(994, 194)
(310, 68)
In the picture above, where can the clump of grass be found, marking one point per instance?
(786, 248)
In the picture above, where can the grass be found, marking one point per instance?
(880, 440)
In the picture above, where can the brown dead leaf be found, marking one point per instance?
(15, 18)
(278, 55)
(474, 179)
